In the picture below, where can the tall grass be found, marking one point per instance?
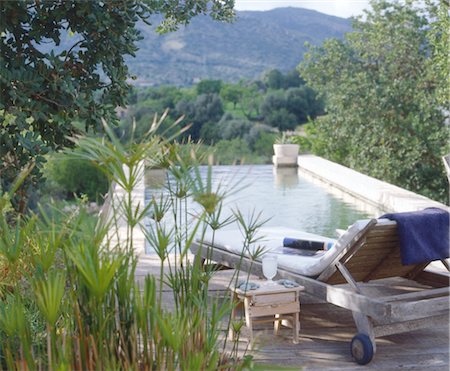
(69, 298)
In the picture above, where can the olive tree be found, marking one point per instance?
(385, 115)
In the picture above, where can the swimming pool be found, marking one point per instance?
(283, 195)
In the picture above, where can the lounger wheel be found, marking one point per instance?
(362, 349)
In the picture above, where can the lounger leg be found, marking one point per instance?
(233, 316)
(248, 319)
(296, 327)
(365, 326)
(276, 324)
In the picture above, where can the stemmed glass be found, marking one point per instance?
(269, 266)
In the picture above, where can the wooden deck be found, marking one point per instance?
(324, 341)
(326, 330)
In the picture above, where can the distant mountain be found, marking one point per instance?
(256, 42)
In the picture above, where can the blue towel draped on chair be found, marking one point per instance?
(424, 235)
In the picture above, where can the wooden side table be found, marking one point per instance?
(271, 302)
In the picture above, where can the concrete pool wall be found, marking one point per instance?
(378, 195)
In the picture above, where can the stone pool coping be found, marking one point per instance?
(381, 195)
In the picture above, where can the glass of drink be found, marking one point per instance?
(269, 266)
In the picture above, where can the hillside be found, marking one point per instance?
(254, 43)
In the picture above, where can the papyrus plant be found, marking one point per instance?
(74, 302)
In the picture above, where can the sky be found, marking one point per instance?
(339, 8)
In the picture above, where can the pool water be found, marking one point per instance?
(282, 195)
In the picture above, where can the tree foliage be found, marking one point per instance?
(232, 127)
(275, 79)
(385, 112)
(251, 99)
(202, 114)
(232, 93)
(286, 109)
(247, 110)
(209, 87)
(45, 87)
(439, 37)
(75, 177)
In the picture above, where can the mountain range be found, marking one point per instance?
(255, 42)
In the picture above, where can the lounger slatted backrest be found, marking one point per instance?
(375, 255)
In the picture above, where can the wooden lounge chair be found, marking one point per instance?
(367, 255)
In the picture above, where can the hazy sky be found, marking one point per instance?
(340, 8)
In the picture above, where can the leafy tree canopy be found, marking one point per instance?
(206, 109)
(232, 127)
(45, 88)
(232, 93)
(209, 87)
(385, 108)
(286, 109)
(275, 79)
(439, 37)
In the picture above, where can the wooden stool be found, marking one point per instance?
(271, 302)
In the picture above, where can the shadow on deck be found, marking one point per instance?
(325, 335)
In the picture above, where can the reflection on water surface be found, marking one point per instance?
(283, 195)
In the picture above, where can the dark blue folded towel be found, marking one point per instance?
(424, 235)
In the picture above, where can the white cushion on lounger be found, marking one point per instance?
(272, 238)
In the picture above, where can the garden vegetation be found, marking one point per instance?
(69, 297)
(386, 90)
(52, 90)
(240, 121)
(68, 292)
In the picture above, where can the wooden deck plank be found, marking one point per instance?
(326, 331)
(419, 294)
(324, 345)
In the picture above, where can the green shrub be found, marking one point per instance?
(75, 177)
(232, 127)
(263, 146)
